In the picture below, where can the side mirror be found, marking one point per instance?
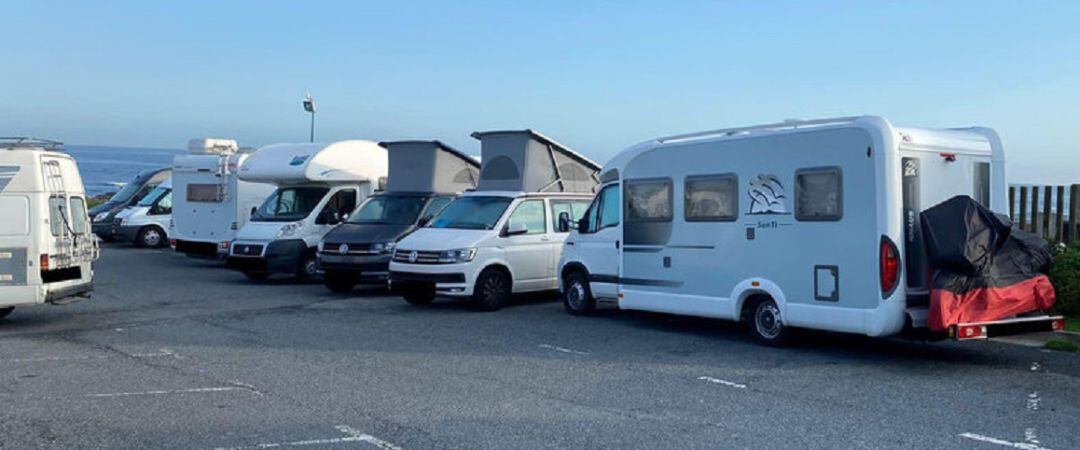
(253, 211)
(564, 222)
(515, 229)
(583, 225)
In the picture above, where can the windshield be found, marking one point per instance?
(389, 210)
(289, 204)
(472, 213)
(125, 193)
(154, 195)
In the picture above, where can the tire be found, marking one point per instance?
(577, 297)
(151, 237)
(419, 294)
(338, 282)
(4, 312)
(307, 270)
(492, 290)
(257, 276)
(764, 322)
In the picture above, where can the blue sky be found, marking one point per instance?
(598, 76)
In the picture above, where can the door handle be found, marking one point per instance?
(616, 244)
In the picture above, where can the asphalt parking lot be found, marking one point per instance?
(179, 353)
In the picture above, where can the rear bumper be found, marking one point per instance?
(1006, 327)
(283, 256)
(199, 249)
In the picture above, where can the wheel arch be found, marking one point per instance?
(752, 287)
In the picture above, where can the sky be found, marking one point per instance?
(597, 76)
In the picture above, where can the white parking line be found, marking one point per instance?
(562, 349)
(723, 382)
(159, 353)
(167, 392)
(1002, 442)
(352, 435)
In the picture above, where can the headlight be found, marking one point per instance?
(289, 229)
(322, 245)
(383, 247)
(457, 256)
(101, 217)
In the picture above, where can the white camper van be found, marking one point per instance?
(810, 224)
(318, 185)
(46, 244)
(502, 238)
(147, 223)
(211, 203)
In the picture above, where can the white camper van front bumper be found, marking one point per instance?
(454, 280)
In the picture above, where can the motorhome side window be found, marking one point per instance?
(56, 216)
(574, 208)
(711, 198)
(648, 200)
(531, 213)
(819, 194)
(78, 215)
(205, 193)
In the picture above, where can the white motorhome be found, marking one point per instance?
(811, 224)
(46, 244)
(211, 202)
(318, 185)
(502, 238)
(146, 224)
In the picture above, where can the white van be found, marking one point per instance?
(811, 224)
(211, 203)
(318, 185)
(502, 238)
(147, 223)
(46, 244)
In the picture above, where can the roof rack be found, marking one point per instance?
(785, 125)
(11, 143)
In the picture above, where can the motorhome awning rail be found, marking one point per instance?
(785, 125)
(29, 142)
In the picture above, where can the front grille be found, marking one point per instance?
(422, 257)
(247, 250)
(334, 248)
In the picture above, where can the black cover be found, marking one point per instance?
(961, 236)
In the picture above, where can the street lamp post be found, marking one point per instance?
(309, 106)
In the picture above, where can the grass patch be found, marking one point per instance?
(1072, 324)
(1062, 345)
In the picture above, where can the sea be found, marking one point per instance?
(106, 169)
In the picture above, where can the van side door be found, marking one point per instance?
(599, 242)
(529, 253)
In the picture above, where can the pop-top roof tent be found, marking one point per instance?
(335, 162)
(211, 146)
(429, 166)
(528, 161)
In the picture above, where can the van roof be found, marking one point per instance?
(516, 194)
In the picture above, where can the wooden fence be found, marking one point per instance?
(1049, 211)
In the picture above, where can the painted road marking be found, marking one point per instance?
(723, 382)
(990, 440)
(1033, 401)
(175, 391)
(160, 353)
(563, 349)
(351, 435)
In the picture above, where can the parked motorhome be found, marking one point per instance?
(103, 216)
(211, 202)
(811, 224)
(46, 244)
(318, 185)
(147, 223)
(424, 177)
(502, 238)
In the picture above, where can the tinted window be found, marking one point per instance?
(711, 197)
(205, 193)
(436, 206)
(472, 213)
(342, 203)
(818, 194)
(289, 204)
(56, 216)
(389, 209)
(648, 201)
(530, 213)
(609, 207)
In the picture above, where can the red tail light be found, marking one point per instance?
(889, 266)
(224, 245)
(964, 332)
(1058, 325)
(44, 261)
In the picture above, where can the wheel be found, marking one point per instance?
(307, 270)
(577, 298)
(492, 290)
(150, 237)
(4, 312)
(257, 276)
(341, 283)
(765, 324)
(419, 294)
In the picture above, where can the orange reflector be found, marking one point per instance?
(44, 261)
(620, 294)
(224, 245)
(755, 283)
(172, 242)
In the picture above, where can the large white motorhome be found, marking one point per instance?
(46, 244)
(811, 224)
(146, 224)
(318, 185)
(211, 202)
(502, 238)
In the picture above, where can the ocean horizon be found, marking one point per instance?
(105, 169)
